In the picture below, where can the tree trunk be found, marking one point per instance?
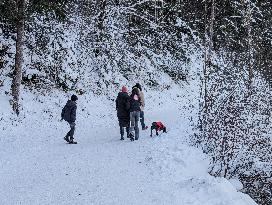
(203, 91)
(20, 4)
(101, 6)
(249, 45)
(211, 32)
(249, 54)
(208, 46)
(205, 59)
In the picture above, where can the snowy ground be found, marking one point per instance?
(38, 167)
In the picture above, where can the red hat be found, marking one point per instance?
(124, 89)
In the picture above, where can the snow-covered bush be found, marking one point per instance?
(236, 129)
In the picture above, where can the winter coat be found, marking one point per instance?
(134, 103)
(69, 111)
(122, 107)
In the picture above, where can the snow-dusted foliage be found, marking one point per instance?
(236, 129)
(97, 42)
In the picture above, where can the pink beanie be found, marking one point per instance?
(124, 89)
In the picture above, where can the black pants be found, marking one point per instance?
(72, 130)
(122, 130)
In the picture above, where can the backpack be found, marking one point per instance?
(64, 110)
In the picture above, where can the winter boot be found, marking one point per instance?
(131, 137)
(145, 128)
(122, 138)
(66, 138)
(72, 141)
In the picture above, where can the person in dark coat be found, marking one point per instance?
(69, 115)
(134, 109)
(122, 108)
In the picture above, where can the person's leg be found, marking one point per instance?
(72, 131)
(127, 130)
(122, 132)
(142, 120)
(66, 138)
(132, 123)
(136, 127)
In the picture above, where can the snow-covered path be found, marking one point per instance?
(37, 167)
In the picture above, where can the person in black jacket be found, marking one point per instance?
(122, 108)
(69, 115)
(135, 109)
